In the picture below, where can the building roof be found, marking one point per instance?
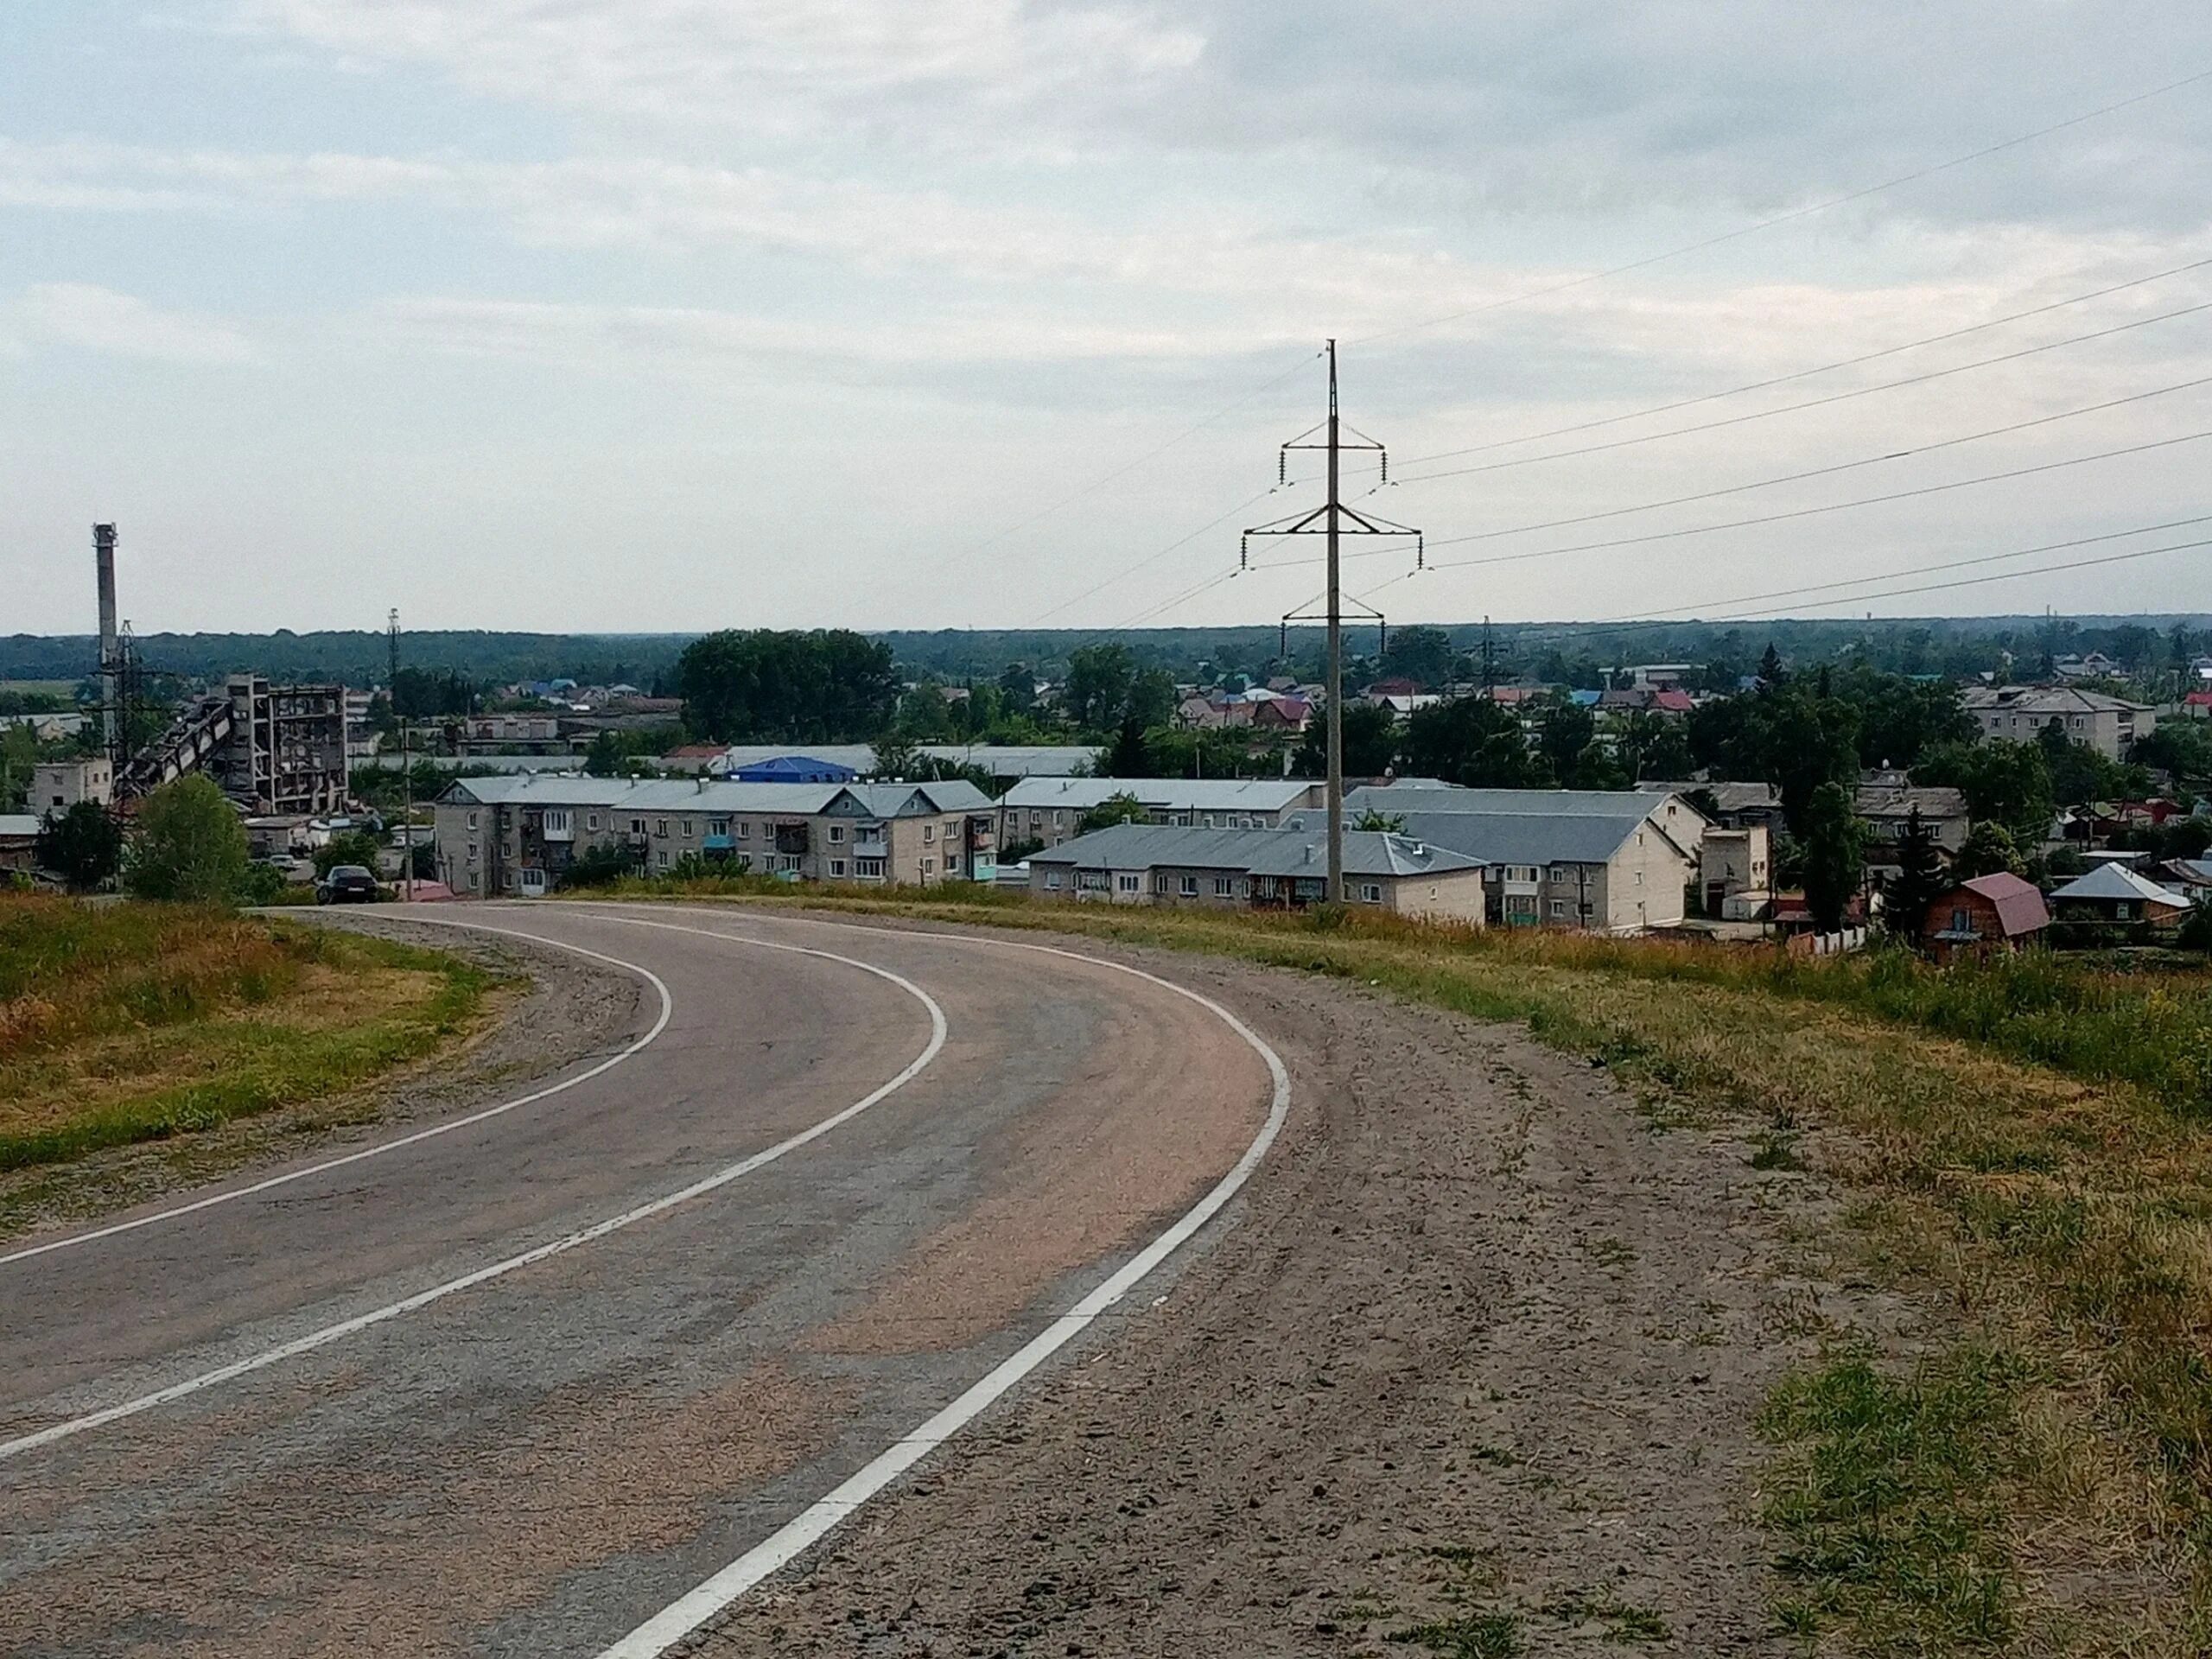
(17, 826)
(1173, 794)
(796, 769)
(2197, 870)
(1633, 805)
(672, 794)
(1255, 852)
(1897, 801)
(2020, 908)
(1526, 837)
(2117, 881)
(2044, 700)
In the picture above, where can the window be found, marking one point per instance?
(1060, 820)
(836, 868)
(837, 835)
(1189, 886)
(637, 826)
(660, 828)
(471, 852)
(1225, 886)
(1127, 883)
(928, 834)
(1371, 893)
(1036, 820)
(1559, 872)
(1959, 920)
(1558, 907)
(471, 816)
(718, 827)
(1053, 881)
(2119, 911)
(787, 862)
(1639, 878)
(867, 868)
(929, 868)
(591, 822)
(687, 825)
(663, 858)
(744, 830)
(1159, 883)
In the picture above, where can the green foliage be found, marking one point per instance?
(427, 694)
(1370, 741)
(83, 846)
(2079, 774)
(1018, 689)
(187, 846)
(1209, 751)
(353, 847)
(1795, 736)
(1474, 741)
(2183, 747)
(1122, 808)
(601, 864)
(1833, 851)
(1652, 746)
(2007, 783)
(1420, 654)
(1989, 850)
(18, 755)
(1128, 758)
(1900, 719)
(611, 751)
(1388, 823)
(1890, 1497)
(825, 686)
(1105, 689)
(1564, 734)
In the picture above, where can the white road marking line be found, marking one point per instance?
(345, 1328)
(680, 1619)
(231, 1196)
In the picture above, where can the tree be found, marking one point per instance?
(1128, 758)
(1596, 768)
(1096, 693)
(1652, 746)
(1833, 851)
(895, 756)
(1919, 881)
(826, 686)
(1901, 719)
(1390, 822)
(1119, 808)
(353, 847)
(83, 846)
(1989, 850)
(1420, 654)
(1018, 689)
(1567, 730)
(2080, 774)
(1370, 742)
(2005, 783)
(1474, 741)
(188, 845)
(601, 864)
(1771, 673)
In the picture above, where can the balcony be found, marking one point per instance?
(869, 841)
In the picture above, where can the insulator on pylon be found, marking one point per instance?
(1386, 466)
(1284, 649)
(1420, 554)
(1243, 553)
(1282, 466)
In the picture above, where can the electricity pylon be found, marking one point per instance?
(1334, 519)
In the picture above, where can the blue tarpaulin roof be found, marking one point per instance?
(794, 769)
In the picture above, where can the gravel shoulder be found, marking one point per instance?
(556, 1010)
(1474, 1360)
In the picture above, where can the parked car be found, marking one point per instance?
(347, 884)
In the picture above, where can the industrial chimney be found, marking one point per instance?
(111, 662)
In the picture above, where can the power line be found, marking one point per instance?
(1153, 558)
(1976, 581)
(1795, 214)
(1814, 402)
(1807, 374)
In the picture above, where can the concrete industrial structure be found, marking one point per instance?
(57, 785)
(1287, 868)
(1609, 862)
(516, 834)
(1050, 809)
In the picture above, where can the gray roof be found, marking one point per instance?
(675, 794)
(1897, 801)
(1173, 794)
(1528, 837)
(2044, 700)
(17, 825)
(1255, 852)
(999, 759)
(1632, 805)
(2117, 881)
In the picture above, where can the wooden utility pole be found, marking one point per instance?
(1333, 520)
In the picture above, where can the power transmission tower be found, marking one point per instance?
(406, 767)
(1334, 519)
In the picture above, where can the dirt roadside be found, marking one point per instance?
(1472, 1368)
(559, 1009)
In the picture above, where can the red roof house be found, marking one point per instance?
(1990, 913)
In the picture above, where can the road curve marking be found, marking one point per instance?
(359, 1322)
(685, 1615)
(667, 1009)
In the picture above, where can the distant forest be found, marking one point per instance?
(1555, 653)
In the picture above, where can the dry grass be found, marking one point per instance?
(127, 1022)
(2066, 1219)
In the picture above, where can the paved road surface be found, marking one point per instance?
(339, 1415)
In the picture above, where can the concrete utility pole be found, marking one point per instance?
(1334, 520)
(113, 727)
(406, 767)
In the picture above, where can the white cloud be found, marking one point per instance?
(101, 320)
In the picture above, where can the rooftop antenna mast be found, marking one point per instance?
(1335, 520)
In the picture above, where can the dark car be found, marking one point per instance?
(347, 884)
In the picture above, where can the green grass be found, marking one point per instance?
(1493, 1634)
(125, 1023)
(1891, 1499)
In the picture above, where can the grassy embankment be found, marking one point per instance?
(129, 1022)
(2029, 1143)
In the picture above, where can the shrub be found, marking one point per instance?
(188, 846)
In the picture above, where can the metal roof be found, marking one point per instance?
(1529, 837)
(1255, 852)
(2020, 908)
(17, 825)
(677, 794)
(1171, 794)
(2117, 881)
(1633, 805)
(2044, 700)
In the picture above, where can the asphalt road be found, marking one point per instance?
(518, 1387)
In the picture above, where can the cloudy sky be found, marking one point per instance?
(674, 314)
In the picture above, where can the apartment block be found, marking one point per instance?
(2018, 713)
(1050, 809)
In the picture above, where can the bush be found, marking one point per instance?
(601, 866)
(188, 846)
(355, 847)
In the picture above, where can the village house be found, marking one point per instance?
(1990, 913)
(1050, 809)
(2017, 713)
(1151, 864)
(2113, 893)
(516, 834)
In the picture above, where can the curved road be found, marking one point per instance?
(560, 1379)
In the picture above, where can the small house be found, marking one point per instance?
(1989, 912)
(2112, 893)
